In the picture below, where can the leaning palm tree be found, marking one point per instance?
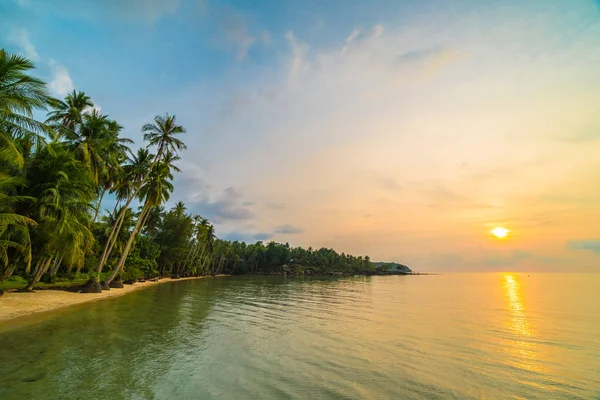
(130, 175)
(153, 220)
(162, 133)
(154, 192)
(108, 221)
(114, 153)
(199, 243)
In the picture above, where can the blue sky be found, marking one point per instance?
(405, 130)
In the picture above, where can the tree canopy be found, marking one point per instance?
(54, 175)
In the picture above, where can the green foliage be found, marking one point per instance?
(54, 176)
(132, 274)
(144, 256)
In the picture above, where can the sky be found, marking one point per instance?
(402, 130)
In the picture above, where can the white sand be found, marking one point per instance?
(14, 305)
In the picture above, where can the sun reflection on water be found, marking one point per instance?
(519, 324)
(522, 348)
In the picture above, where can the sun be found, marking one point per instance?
(500, 232)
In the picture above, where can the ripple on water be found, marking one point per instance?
(454, 336)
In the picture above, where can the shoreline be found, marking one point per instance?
(16, 305)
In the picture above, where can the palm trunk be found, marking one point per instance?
(111, 239)
(201, 255)
(114, 231)
(99, 204)
(28, 270)
(197, 260)
(41, 269)
(120, 224)
(219, 267)
(193, 254)
(55, 266)
(116, 206)
(146, 218)
(202, 264)
(189, 257)
(136, 228)
(8, 272)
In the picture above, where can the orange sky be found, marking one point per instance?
(410, 143)
(405, 130)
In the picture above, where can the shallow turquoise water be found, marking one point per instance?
(463, 336)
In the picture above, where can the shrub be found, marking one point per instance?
(132, 274)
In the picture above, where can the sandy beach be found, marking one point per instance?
(14, 305)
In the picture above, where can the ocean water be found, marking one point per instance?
(452, 336)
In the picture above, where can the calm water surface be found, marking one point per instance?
(494, 336)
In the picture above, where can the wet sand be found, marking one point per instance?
(16, 305)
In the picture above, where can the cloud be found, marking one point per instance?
(233, 27)
(61, 82)
(429, 62)
(246, 237)
(20, 37)
(514, 258)
(585, 244)
(228, 206)
(298, 65)
(361, 104)
(288, 229)
(357, 37)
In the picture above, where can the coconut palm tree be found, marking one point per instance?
(170, 159)
(90, 143)
(108, 221)
(199, 244)
(153, 220)
(209, 246)
(162, 133)
(131, 174)
(155, 191)
(179, 209)
(20, 95)
(68, 113)
(64, 191)
(114, 154)
(14, 228)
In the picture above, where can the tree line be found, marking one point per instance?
(56, 171)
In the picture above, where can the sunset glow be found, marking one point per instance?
(397, 133)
